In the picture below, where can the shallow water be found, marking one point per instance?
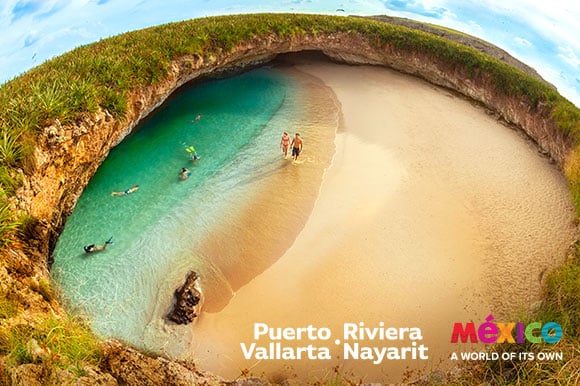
(430, 212)
(161, 231)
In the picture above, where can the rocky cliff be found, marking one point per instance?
(67, 156)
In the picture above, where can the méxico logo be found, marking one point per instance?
(491, 332)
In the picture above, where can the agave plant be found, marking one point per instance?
(10, 148)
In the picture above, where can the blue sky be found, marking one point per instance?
(543, 34)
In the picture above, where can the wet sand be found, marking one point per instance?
(260, 222)
(265, 224)
(431, 213)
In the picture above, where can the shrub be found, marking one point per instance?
(59, 341)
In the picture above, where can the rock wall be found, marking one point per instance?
(67, 156)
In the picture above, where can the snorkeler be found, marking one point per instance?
(97, 248)
(193, 154)
(184, 174)
(132, 189)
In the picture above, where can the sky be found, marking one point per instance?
(543, 34)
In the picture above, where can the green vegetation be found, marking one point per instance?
(63, 343)
(104, 75)
(44, 288)
(562, 305)
(8, 307)
(8, 225)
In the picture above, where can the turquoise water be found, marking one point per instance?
(157, 230)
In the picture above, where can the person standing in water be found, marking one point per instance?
(285, 143)
(296, 146)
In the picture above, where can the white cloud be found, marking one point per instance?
(555, 20)
(523, 42)
(51, 27)
(31, 38)
(569, 56)
(475, 28)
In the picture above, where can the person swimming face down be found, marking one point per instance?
(97, 248)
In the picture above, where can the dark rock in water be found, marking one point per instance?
(187, 301)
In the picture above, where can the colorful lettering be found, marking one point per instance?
(464, 333)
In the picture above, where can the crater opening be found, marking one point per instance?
(409, 206)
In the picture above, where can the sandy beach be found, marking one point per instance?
(431, 213)
(264, 224)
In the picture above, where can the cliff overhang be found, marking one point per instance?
(66, 156)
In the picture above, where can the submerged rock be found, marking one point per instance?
(187, 301)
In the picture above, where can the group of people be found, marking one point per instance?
(296, 145)
(184, 174)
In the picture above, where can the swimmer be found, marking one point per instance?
(132, 189)
(97, 248)
(184, 174)
(193, 153)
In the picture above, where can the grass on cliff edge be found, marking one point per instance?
(561, 304)
(103, 76)
(55, 341)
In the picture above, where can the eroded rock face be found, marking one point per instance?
(130, 367)
(188, 301)
(67, 157)
(43, 374)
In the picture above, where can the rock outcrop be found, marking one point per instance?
(188, 301)
(130, 367)
(43, 374)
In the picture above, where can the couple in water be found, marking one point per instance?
(296, 145)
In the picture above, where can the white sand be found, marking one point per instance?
(431, 213)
